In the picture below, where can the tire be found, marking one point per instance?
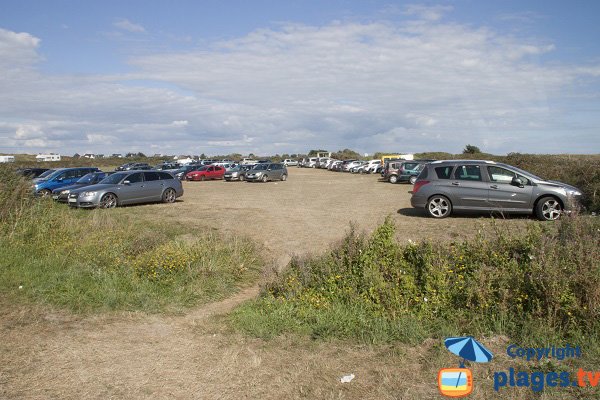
(169, 196)
(202, 178)
(283, 177)
(393, 179)
(412, 180)
(44, 193)
(439, 207)
(242, 178)
(548, 209)
(265, 179)
(108, 200)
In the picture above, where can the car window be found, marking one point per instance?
(443, 172)
(151, 176)
(468, 173)
(408, 166)
(211, 169)
(135, 178)
(503, 175)
(164, 176)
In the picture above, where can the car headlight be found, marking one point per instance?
(573, 192)
(88, 194)
(65, 192)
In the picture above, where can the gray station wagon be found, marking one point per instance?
(465, 185)
(130, 187)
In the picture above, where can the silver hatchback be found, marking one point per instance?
(130, 187)
(466, 185)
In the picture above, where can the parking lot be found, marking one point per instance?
(310, 211)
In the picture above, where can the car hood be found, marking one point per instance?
(98, 186)
(560, 184)
(72, 187)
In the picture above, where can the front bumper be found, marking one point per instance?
(75, 200)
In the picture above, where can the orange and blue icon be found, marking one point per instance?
(458, 382)
(455, 382)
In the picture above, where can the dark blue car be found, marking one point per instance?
(62, 194)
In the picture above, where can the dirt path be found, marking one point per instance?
(55, 355)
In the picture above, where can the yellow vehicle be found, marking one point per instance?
(387, 157)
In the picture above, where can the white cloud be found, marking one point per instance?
(428, 13)
(127, 25)
(370, 86)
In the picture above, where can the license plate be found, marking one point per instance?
(72, 200)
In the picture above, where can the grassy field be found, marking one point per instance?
(95, 261)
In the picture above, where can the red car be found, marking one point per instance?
(205, 173)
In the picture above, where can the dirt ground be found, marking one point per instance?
(51, 354)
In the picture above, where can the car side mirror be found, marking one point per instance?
(126, 183)
(517, 182)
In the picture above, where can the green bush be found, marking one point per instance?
(549, 274)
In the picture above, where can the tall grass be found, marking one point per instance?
(106, 260)
(376, 289)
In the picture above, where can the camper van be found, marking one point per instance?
(47, 157)
(7, 159)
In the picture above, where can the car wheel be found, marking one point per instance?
(393, 179)
(265, 178)
(242, 177)
(439, 207)
(412, 180)
(169, 196)
(283, 177)
(109, 200)
(548, 209)
(44, 193)
(202, 178)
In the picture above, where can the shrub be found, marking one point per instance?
(549, 275)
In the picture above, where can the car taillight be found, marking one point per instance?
(418, 185)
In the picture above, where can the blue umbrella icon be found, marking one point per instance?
(469, 349)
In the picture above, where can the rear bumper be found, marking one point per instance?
(418, 201)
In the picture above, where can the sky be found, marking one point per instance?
(277, 77)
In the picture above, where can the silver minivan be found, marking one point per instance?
(470, 185)
(129, 187)
(267, 172)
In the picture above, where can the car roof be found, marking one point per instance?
(453, 162)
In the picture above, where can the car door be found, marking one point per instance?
(153, 186)
(503, 195)
(469, 188)
(210, 172)
(277, 171)
(133, 191)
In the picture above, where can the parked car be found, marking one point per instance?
(238, 173)
(371, 166)
(403, 171)
(205, 173)
(128, 187)
(267, 172)
(61, 177)
(133, 166)
(288, 162)
(358, 167)
(467, 185)
(167, 166)
(349, 164)
(31, 172)
(181, 172)
(62, 194)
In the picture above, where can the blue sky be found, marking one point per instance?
(286, 76)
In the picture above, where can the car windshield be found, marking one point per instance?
(54, 174)
(46, 173)
(88, 178)
(527, 174)
(113, 179)
(202, 168)
(236, 169)
(261, 167)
